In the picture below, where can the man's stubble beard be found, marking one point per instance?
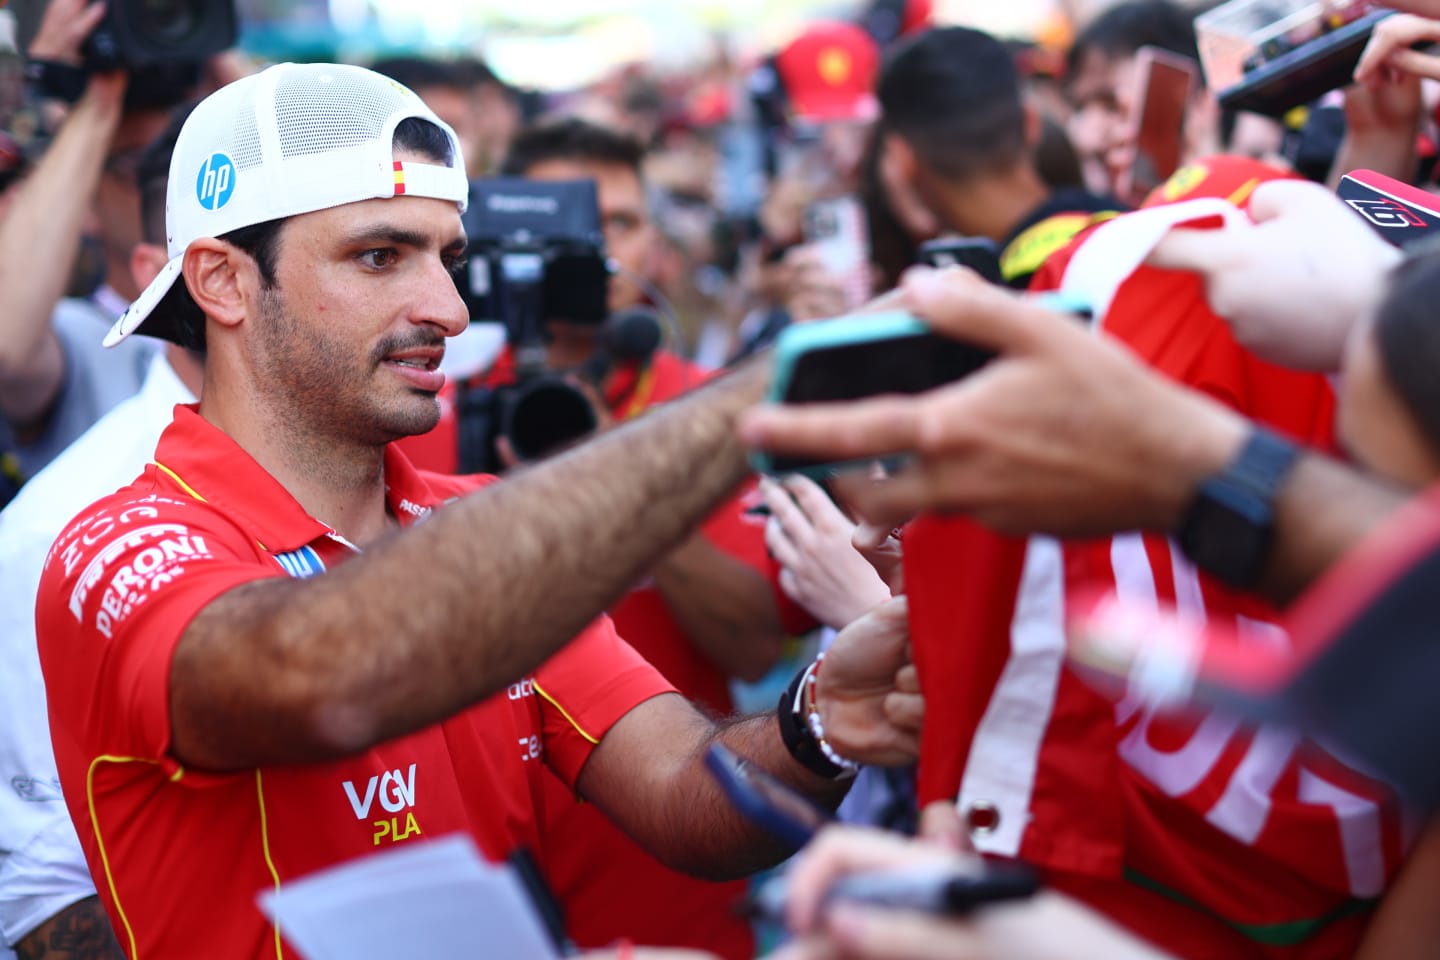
(322, 394)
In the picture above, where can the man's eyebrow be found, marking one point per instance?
(395, 237)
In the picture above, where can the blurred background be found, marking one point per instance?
(559, 45)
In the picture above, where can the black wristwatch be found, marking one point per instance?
(1228, 529)
(795, 732)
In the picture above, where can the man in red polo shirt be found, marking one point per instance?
(231, 705)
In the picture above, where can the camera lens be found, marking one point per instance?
(167, 21)
(545, 414)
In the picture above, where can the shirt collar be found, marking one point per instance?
(210, 466)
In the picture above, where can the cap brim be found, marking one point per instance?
(837, 108)
(135, 317)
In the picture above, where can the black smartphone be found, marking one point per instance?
(764, 800)
(859, 356)
(977, 253)
(1302, 62)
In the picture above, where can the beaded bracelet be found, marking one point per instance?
(817, 728)
(792, 712)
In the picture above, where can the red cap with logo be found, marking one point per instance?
(1232, 178)
(828, 73)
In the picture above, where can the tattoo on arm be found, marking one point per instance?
(79, 932)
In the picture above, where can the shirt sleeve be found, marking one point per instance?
(119, 588)
(584, 689)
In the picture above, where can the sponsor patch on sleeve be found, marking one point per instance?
(117, 558)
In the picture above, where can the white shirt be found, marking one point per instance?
(42, 869)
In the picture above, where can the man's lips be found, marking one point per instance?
(419, 366)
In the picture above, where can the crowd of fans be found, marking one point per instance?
(199, 677)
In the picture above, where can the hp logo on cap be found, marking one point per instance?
(216, 182)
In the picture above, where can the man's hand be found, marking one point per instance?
(812, 540)
(63, 30)
(1389, 54)
(1065, 433)
(867, 691)
(1294, 284)
(1047, 927)
(881, 548)
(813, 291)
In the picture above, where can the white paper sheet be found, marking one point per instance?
(437, 899)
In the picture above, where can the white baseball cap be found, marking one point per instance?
(291, 139)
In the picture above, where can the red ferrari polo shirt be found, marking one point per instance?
(179, 854)
(1207, 838)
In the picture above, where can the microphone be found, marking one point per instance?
(632, 334)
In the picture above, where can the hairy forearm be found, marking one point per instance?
(79, 932)
(725, 607)
(449, 612)
(1324, 509)
(39, 238)
(656, 787)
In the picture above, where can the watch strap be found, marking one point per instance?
(1228, 529)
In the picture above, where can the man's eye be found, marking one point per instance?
(621, 222)
(379, 258)
(456, 263)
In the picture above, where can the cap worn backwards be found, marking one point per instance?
(292, 139)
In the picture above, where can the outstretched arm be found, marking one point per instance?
(1066, 434)
(452, 610)
(40, 233)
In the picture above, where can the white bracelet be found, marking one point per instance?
(817, 729)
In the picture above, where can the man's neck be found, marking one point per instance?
(990, 206)
(339, 482)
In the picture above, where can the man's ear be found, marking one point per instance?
(221, 278)
(899, 175)
(146, 262)
(898, 163)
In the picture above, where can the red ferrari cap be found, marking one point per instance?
(1231, 178)
(828, 73)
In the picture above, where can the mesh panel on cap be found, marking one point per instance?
(354, 110)
(245, 138)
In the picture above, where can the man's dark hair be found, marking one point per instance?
(262, 240)
(892, 249)
(1408, 339)
(953, 94)
(1126, 27)
(418, 73)
(575, 140)
(475, 72)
